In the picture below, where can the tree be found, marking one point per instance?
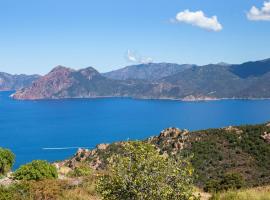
(36, 170)
(141, 173)
(6, 161)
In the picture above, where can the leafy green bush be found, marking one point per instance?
(82, 170)
(226, 182)
(36, 170)
(142, 173)
(6, 160)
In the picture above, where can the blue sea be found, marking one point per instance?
(54, 129)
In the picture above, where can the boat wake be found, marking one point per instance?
(63, 148)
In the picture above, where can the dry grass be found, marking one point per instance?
(260, 193)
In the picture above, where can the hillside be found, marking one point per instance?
(15, 82)
(214, 152)
(210, 82)
(241, 151)
(150, 71)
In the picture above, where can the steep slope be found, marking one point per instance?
(15, 82)
(214, 152)
(151, 71)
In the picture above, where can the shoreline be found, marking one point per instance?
(144, 98)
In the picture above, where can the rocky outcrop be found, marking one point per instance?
(7, 180)
(170, 140)
(85, 155)
(233, 129)
(266, 137)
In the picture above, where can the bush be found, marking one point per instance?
(36, 170)
(142, 173)
(6, 161)
(82, 170)
(226, 182)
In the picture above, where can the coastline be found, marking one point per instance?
(185, 99)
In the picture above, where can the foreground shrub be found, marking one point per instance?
(6, 161)
(50, 189)
(142, 173)
(36, 170)
(16, 191)
(226, 182)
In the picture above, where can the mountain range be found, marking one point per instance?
(15, 82)
(155, 81)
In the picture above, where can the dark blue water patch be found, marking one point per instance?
(45, 129)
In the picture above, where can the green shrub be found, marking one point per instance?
(226, 182)
(6, 160)
(36, 170)
(82, 170)
(142, 173)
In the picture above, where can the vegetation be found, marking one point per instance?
(36, 170)
(142, 173)
(217, 152)
(81, 170)
(262, 193)
(6, 161)
(226, 182)
(52, 189)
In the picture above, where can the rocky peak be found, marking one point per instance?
(60, 68)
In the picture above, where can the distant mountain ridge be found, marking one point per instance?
(249, 80)
(150, 71)
(15, 82)
(249, 69)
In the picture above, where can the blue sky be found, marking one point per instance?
(37, 35)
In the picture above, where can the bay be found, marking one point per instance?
(54, 129)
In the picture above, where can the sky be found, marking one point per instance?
(37, 35)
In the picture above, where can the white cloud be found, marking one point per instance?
(199, 19)
(135, 58)
(262, 14)
(131, 56)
